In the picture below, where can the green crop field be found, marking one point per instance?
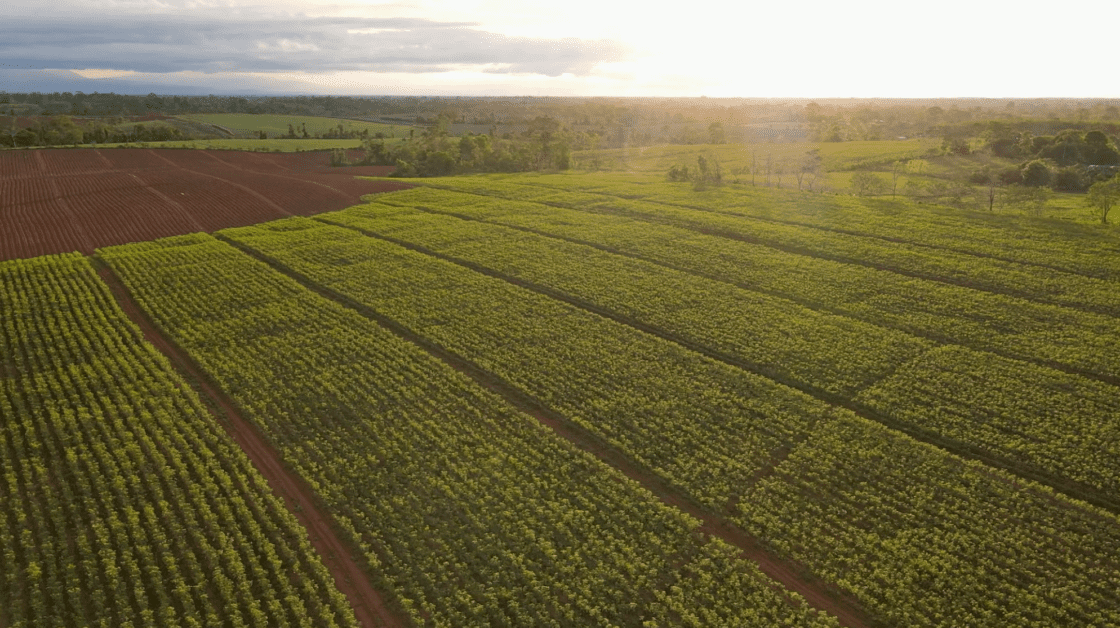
(574, 399)
(277, 125)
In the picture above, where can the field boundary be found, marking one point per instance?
(1069, 488)
(793, 576)
(368, 604)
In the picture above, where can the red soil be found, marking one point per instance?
(61, 200)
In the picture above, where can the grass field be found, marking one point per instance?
(574, 399)
(276, 125)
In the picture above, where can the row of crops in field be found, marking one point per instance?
(920, 536)
(124, 503)
(929, 252)
(470, 512)
(877, 426)
(1072, 248)
(1075, 340)
(1039, 416)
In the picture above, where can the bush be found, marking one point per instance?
(1036, 174)
(1071, 179)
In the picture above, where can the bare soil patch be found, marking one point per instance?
(62, 200)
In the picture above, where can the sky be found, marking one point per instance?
(811, 48)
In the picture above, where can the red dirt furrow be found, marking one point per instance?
(88, 198)
(186, 215)
(790, 574)
(16, 164)
(368, 604)
(64, 162)
(26, 191)
(131, 159)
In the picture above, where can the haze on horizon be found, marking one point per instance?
(869, 48)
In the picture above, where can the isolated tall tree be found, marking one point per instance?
(1102, 196)
(809, 169)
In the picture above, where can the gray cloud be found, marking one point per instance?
(239, 44)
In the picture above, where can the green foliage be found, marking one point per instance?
(868, 184)
(468, 511)
(1036, 173)
(1103, 195)
(1028, 199)
(124, 502)
(641, 393)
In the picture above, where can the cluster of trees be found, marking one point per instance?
(885, 119)
(64, 130)
(546, 145)
(766, 171)
(707, 173)
(1069, 161)
(335, 133)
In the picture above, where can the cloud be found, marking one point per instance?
(174, 43)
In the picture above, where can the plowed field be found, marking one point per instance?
(61, 200)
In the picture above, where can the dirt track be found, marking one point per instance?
(791, 575)
(369, 606)
(62, 200)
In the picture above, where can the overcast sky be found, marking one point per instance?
(812, 48)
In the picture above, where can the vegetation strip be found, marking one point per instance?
(792, 576)
(771, 206)
(1074, 249)
(918, 427)
(473, 513)
(125, 502)
(1068, 340)
(368, 605)
(853, 501)
(1095, 295)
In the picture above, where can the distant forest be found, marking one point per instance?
(622, 121)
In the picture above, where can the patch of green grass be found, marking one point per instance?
(276, 125)
(834, 155)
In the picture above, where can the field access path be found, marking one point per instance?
(80, 199)
(369, 605)
(790, 574)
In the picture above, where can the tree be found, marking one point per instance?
(1032, 200)
(716, 134)
(1102, 196)
(896, 170)
(809, 169)
(867, 183)
(1036, 173)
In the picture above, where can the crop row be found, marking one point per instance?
(1078, 341)
(1048, 419)
(1075, 249)
(703, 425)
(124, 502)
(471, 513)
(757, 219)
